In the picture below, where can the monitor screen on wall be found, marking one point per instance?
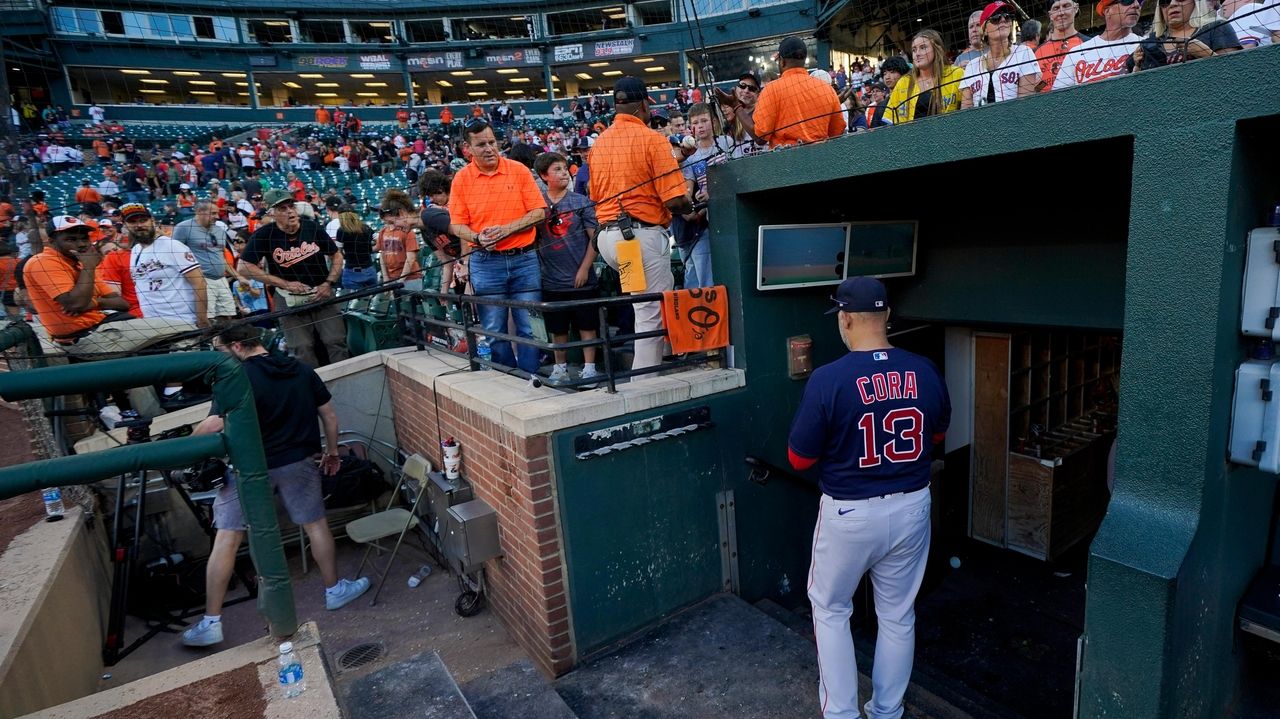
(882, 249)
(801, 255)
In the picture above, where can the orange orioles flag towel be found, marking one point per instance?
(696, 319)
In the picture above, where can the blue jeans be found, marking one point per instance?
(359, 279)
(508, 277)
(697, 262)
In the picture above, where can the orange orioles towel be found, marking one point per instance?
(696, 319)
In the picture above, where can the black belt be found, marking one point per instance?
(513, 251)
(644, 225)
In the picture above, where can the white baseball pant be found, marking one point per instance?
(888, 536)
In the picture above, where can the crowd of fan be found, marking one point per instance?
(239, 247)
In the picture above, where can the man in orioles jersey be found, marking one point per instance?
(870, 421)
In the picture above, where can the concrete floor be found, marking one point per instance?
(405, 621)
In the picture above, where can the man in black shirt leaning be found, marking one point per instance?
(294, 250)
(288, 396)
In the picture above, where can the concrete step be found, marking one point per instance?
(419, 687)
(516, 690)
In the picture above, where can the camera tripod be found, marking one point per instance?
(126, 551)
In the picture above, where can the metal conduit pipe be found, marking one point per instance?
(240, 439)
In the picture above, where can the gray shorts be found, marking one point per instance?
(297, 485)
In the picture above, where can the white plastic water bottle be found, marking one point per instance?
(53, 508)
(483, 352)
(292, 683)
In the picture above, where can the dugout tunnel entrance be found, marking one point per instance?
(1019, 301)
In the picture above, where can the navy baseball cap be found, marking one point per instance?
(792, 48)
(860, 294)
(630, 89)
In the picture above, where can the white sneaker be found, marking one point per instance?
(204, 634)
(589, 373)
(348, 591)
(559, 374)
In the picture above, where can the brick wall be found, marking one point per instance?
(513, 475)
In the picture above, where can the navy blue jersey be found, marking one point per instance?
(870, 419)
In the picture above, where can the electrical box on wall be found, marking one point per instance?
(1260, 309)
(799, 356)
(1255, 416)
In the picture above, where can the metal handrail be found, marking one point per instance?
(412, 322)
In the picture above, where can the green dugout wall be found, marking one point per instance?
(1117, 206)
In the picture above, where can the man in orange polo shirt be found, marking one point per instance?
(794, 108)
(635, 180)
(76, 308)
(494, 206)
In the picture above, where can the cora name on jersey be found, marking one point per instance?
(883, 386)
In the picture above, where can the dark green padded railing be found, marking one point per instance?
(240, 439)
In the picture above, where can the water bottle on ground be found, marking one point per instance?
(292, 683)
(53, 508)
(417, 577)
(483, 352)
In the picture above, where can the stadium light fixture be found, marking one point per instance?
(366, 94)
(136, 72)
(508, 71)
(362, 75)
(186, 73)
(617, 16)
(232, 74)
(292, 84)
(326, 94)
(444, 83)
(475, 82)
(311, 75)
(477, 94)
(642, 60)
(201, 82)
(612, 9)
(612, 73)
(461, 73)
(276, 23)
(520, 79)
(327, 84)
(201, 92)
(598, 64)
(379, 24)
(583, 76)
(655, 68)
(153, 92)
(375, 84)
(513, 92)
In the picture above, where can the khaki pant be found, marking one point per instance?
(123, 337)
(300, 330)
(655, 249)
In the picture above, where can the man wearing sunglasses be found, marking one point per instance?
(1106, 55)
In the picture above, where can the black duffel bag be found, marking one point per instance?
(358, 481)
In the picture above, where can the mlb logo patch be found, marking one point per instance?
(880, 356)
(879, 304)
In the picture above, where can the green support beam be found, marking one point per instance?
(240, 438)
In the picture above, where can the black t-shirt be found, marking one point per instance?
(357, 248)
(296, 258)
(435, 228)
(286, 393)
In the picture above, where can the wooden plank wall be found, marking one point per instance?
(990, 454)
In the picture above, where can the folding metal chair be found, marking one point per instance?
(390, 521)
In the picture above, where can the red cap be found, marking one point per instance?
(992, 8)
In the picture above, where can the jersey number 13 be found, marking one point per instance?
(905, 427)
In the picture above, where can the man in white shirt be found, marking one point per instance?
(1256, 24)
(1106, 55)
(248, 158)
(108, 187)
(97, 113)
(166, 275)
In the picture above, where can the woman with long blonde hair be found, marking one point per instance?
(931, 88)
(356, 239)
(1184, 30)
(1004, 70)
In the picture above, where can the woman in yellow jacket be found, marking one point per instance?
(931, 88)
